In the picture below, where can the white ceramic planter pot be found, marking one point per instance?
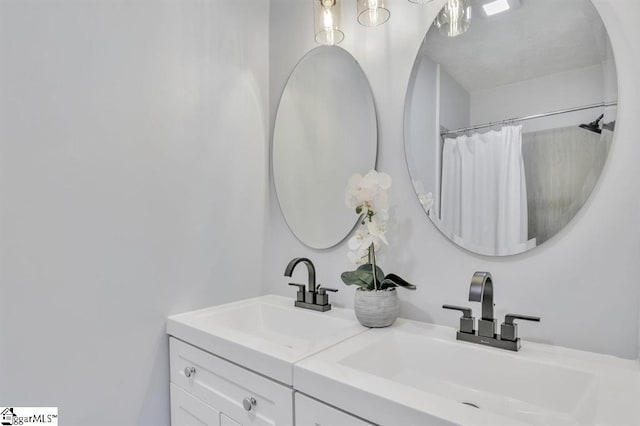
(376, 308)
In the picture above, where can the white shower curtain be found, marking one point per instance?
(484, 193)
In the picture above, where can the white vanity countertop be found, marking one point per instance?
(266, 334)
(417, 373)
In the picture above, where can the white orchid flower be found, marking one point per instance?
(362, 240)
(426, 200)
(359, 191)
(356, 258)
(377, 229)
(380, 205)
(367, 195)
(353, 187)
(359, 239)
(377, 179)
(368, 191)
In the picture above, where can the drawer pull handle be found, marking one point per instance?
(249, 403)
(189, 371)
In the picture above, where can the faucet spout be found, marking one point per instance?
(481, 290)
(310, 268)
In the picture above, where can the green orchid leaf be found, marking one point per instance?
(367, 268)
(356, 278)
(363, 277)
(387, 284)
(397, 281)
(366, 275)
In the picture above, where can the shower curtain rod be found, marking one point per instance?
(530, 117)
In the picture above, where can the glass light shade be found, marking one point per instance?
(454, 18)
(372, 13)
(421, 1)
(326, 14)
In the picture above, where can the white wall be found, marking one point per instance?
(133, 142)
(455, 102)
(434, 99)
(583, 282)
(579, 87)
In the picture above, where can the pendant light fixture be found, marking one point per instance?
(454, 18)
(327, 21)
(372, 13)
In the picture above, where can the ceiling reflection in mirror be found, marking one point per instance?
(508, 125)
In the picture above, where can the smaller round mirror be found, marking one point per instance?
(325, 131)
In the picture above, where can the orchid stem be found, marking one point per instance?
(372, 260)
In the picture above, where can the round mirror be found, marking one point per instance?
(508, 124)
(325, 131)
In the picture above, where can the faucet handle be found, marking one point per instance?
(323, 298)
(301, 289)
(467, 321)
(509, 329)
(509, 318)
(466, 312)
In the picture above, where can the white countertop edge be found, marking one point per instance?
(261, 363)
(262, 358)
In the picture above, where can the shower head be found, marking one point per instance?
(594, 126)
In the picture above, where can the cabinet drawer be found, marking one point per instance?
(226, 421)
(227, 387)
(187, 410)
(310, 412)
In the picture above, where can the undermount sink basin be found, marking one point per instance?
(266, 334)
(422, 375)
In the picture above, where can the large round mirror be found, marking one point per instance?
(325, 131)
(508, 125)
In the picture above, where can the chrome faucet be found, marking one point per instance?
(481, 290)
(315, 298)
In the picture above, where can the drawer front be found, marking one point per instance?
(310, 412)
(244, 396)
(226, 421)
(187, 410)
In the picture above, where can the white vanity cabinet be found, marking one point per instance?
(206, 389)
(226, 421)
(310, 412)
(187, 410)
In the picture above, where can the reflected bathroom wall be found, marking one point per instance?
(562, 167)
